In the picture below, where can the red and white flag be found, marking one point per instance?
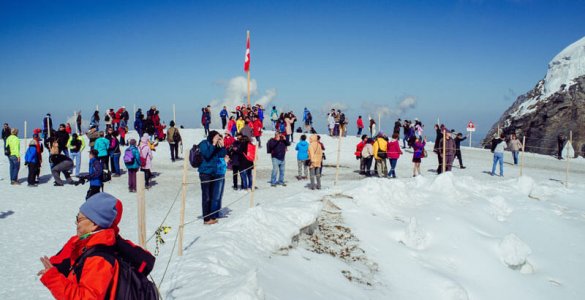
(247, 57)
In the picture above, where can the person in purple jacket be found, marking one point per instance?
(419, 153)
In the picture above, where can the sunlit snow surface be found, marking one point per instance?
(461, 235)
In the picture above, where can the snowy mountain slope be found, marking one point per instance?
(562, 70)
(445, 237)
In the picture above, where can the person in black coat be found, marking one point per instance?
(458, 139)
(62, 138)
(277, 149)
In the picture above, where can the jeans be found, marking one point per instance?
(359, 131)
(174, 150)
(368, 165)
(277, 168)
(63, 167)
(216, 202)
(76, 157)
(301, 164)
(223, 122)
(14, 167)
(210, 188)
(458, 156)
(259, 142)
(382, 167)
(206, 127)
(66, 152)
(246, 179)
(132, 179)
(498, 158)
(33, 171)
(115, 158)
(315, 174)
(392, 172)
(147, 175)
(515, 156)
(235, 170)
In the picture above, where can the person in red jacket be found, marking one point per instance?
(257, 129)
(72, 275)
(394, 152)
(360, 125)
(358, 154)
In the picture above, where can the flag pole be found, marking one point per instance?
(248, 39)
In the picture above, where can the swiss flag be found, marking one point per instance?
(247, 57)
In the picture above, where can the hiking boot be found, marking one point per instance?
(273, 185)
(462, 167)
(57, 184)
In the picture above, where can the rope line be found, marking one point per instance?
(166, 216)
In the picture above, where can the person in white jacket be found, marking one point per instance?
(368, 156)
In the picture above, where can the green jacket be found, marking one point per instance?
(80, 138)
(13, 142)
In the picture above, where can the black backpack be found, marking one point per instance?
(106, 175)
(195, 157)
(176, 136)
(132, 284)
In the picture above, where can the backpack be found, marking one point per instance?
(250, 152)
(106, 175)
(177, 136)
(113, 144)
(107, 118)
(195, 157)
(128, 156)
(6, 150)
(132, 284)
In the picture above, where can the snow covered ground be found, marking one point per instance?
(460, 235)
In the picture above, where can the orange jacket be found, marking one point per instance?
(97, 275)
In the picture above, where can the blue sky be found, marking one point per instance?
(462, 60)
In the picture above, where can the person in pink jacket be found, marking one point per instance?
(393, 150)
(145, 158)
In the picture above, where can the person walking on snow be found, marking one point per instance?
(76, 144)
(223, 114)
(515, 146)
(358, 153)
(360, 125)
(394, 153)
(302, 156)
(276, 147)
(212, 151)
(174, 139)
(316, 161)
(13, 152)
(449, 151)
(31, 159)
(418, 154)
(458, 139)
(498, 147)
(380, 154)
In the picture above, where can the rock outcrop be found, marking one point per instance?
(555, 106)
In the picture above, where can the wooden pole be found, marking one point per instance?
(25, 143)
(141, 204)
(444, 149)
(183, 200)
(247, 39)
(174, 115)
(253, 179)
(48, 129)
(338, 154)
(568, 158)
(522, 159)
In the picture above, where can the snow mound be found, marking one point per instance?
(514, 253)
(525, 185)
(414, 237)
(499, 208)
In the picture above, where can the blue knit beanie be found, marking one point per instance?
(100, 209)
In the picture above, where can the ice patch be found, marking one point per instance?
(514, 253)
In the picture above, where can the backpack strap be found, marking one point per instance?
(107, 252)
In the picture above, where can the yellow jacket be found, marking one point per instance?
(13, 143)
(240, 124)
(379, 145)
(315, 152)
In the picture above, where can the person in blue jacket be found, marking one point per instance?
(212, 152)
(223, 114)
(95, 174)
(31, 159)
(102, 145)
(302, 156)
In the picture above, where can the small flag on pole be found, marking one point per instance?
(247, 58)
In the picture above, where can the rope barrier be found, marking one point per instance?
(220, 178)
(166, 216)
